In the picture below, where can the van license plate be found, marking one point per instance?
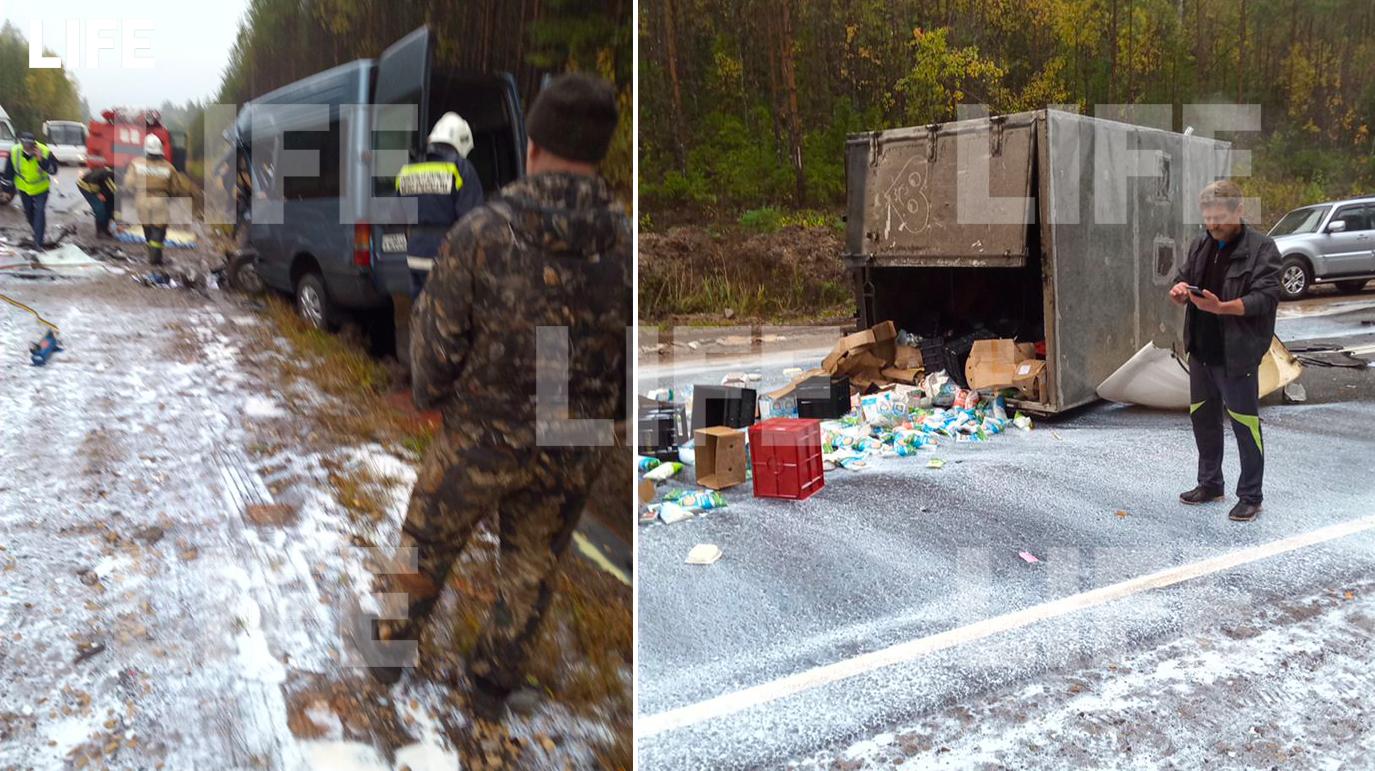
(394, 243)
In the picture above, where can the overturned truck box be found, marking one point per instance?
(1037, 226)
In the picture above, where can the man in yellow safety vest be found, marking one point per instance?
(30, 165)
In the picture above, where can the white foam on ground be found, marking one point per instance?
(262, 407)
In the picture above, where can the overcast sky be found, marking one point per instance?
(187, 44)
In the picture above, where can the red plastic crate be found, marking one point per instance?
(785, 454)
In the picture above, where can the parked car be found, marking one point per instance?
(1326, 243)
(67, 140)
(326, 250)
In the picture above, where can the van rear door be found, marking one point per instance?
(403, 78)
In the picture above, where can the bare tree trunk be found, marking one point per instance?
(1112, 54)
(671, 47)
(1241, 54)
(794, 120)
(775, 91)
(1131, 50)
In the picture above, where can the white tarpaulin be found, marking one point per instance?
(69, 260)
(1156, 377)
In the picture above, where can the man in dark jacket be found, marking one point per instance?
(537, 278)
(1231, 284)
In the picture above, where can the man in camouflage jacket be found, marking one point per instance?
(549, 255)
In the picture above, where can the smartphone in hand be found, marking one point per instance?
(1195, 291)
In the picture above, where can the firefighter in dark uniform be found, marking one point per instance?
(538, 276)
(98, 188)
(445, 187)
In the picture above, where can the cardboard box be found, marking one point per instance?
(885, 341)
(720, 457)
(789, 389)
(647, 491)
(908, 357)
(905, 376)
(1030, 379)
(1026, 351)
(992, 364)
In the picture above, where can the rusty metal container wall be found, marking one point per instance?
(912, 179)
(1099, 256)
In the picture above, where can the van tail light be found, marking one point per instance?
(362, 245)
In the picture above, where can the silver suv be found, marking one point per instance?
(1326, 243)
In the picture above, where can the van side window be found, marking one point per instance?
(326, 146)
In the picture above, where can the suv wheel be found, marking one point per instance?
(313, 303)
(1295, 278)
(1350, 287)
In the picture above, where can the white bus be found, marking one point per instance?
(67, 140)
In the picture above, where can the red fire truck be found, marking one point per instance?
(118, 139)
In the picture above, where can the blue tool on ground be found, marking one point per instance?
(42, 349)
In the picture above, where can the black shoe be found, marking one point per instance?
(487, 703)
(1199, 495)
(365, 633)
(1244, 512)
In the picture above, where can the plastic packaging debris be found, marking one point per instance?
(671, 512)
(737, 379)
(1028, 556)
(664, 471)
(1294, 393)
(704, 554)
(688, 455)
(649, 464)
(935, 463)
(696, 500)
(1022, 421)
(1000, 409)
(660, 395)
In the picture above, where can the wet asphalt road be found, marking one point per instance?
(898, 552)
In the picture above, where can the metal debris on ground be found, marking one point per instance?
(87, 650)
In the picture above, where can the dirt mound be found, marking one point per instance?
(794, 273)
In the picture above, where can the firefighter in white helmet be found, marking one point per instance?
(445, 187)
(154, 182)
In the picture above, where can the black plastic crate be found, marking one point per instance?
(728, 406)
(662, 428)
(823, 397)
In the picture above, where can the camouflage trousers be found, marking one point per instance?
(536, 497)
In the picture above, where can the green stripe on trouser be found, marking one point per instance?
(1252, 422)
(155, 244)
(1194, 407)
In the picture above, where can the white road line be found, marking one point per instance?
(911, 650)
